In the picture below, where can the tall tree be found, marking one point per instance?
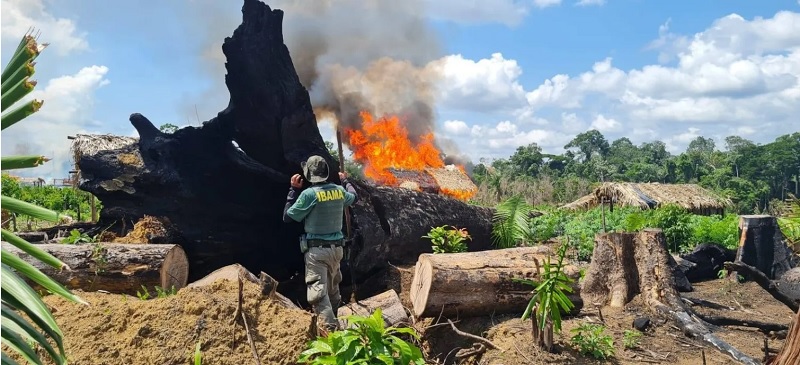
(590, 144)
(527, 160)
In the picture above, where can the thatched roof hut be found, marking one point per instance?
(691, 197)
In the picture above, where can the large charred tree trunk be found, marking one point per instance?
(626, 264)
(226, 202)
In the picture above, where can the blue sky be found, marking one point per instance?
(514, 72)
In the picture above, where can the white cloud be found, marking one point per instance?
(67, 110)
(546, 3)
(737, 77)
(456, 127)
(603, 124)
(591, 2)
(486, 85)
(19, 16)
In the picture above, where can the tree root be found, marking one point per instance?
(763, 281)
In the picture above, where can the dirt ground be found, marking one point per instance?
(118, 329)
(662, 343)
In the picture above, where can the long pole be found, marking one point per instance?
(341, 169)
(348, 247)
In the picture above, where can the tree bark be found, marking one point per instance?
(626, 264)
(113, 267)
(475, 284)
(761, 245)
(225, 202)
(790, 352)
(392, 310)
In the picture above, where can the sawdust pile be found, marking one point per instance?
(146, 230)
(119, 329)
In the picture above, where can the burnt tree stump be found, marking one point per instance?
(223, 185)
(628, 264)
(761, 245)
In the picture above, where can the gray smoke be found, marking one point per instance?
(374, 55)
(369, 55)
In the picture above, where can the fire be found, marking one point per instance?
(383, 144)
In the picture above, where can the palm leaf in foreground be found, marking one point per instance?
(39, 330)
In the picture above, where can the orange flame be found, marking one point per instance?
(383, 144)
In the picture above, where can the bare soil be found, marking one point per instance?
(119, 329)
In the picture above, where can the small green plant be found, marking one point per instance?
(549, 297)
(99, 257)
(143, 295)
(364, 341)
(631, 338)
(198, 355)
(160, 292)
(75, 236)
(591, 340)
(163, 293)
(446, 240)
(722, 274)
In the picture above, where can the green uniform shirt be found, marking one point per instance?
(321, 207)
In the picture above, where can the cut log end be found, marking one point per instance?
(175, 269)
(421, 285)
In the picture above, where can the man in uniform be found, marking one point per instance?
(320, 208)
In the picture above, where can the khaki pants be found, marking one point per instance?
(323, 276)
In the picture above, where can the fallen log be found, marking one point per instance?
(392, 311)
(237, 194)
(762, 280)
(480, 283)
(789, 354)
(626, 264)
(761, 245)
(705, 261)
(113, 267)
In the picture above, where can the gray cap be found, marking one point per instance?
(315, 169)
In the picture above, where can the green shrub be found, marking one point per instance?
(446, 240)
(676, 224)
(365, 341)
(716, 229)
(590, 340)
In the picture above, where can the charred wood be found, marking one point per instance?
(762, 280)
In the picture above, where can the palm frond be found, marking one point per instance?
(510, 223)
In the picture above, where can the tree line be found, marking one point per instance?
(750, 174)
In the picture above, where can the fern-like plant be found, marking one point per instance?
(511, 222)
(18, 333)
